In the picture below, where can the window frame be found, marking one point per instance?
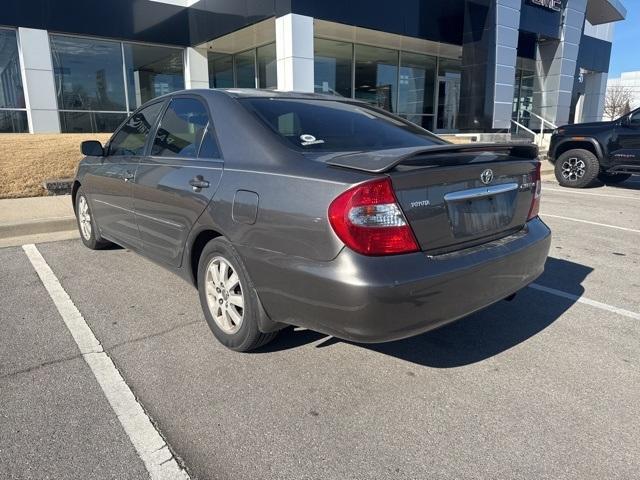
(209, 129)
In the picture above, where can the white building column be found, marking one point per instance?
(38, 79)
(196, 71)
(294, 52)
(595, 87)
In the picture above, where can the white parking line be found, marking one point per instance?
(591, 223)
(586, 301)
(151, 447)
(573, 192)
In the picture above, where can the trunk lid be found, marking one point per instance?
(457, 196)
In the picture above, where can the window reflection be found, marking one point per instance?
(267, 71)
(376, 76)
(245, 64)
(13, 121)
(11, 91)
(152, 71)
(220, 70)
(449, 75)
(88, 74)
(332, 67)
(90, 122)
(416, 88)
(132, 137)
(181, 129)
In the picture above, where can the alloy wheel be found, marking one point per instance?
(225, 297)
(573, 169)
(84, 218)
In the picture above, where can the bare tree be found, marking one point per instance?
(615, 101)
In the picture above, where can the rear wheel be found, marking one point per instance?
(87, 224)
(228, 299)
(613, 178)
(577, 168)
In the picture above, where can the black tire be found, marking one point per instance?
(248, 336)
(613, 178)
(577, 168)
(92, 240)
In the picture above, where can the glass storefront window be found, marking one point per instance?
(13, 121)
(92, 77)
(376, 76)
(90, 122)
(12, 98)
(152, 71)
(449, 75)
(11, 91)
(332, 67)
(245, 64)
(220, 70)
(267, 70)
(88, 74)
(417, 88)
(523, 92)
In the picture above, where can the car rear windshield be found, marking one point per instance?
(327, 125)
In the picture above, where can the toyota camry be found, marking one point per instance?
(315, 211)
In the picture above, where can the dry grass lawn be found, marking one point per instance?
(26, 160)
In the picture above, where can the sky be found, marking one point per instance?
(624, 54)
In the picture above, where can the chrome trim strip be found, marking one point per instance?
(480, 192)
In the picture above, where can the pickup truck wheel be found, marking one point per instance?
(613, 178)
(577, 168)
(228, 298)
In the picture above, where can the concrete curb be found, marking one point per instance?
(48, 225)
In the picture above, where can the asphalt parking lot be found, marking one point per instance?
(545, 386)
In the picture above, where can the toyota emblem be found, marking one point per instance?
(487, 176)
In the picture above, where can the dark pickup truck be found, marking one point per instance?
(606, 151)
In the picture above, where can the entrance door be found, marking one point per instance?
(523, 96)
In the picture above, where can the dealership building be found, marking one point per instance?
(449, 65)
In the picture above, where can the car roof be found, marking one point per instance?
(257, 93)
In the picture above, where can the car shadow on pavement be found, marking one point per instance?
(475, 338)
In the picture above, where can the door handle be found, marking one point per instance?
(128, 175)
(198, 182)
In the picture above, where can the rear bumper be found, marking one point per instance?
(375, 299)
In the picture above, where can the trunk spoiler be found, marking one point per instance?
(380, 161)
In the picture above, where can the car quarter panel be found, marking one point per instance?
(293, 192)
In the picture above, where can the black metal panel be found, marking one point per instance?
(140, 20)
(594, 54)
(540, 20)
(527, 45)
(478, 66)
(124, 19)
(210, 19)
(436, 20)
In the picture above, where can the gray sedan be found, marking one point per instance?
(308, 210)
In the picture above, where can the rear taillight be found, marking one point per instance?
(535, 202)
(368, 219)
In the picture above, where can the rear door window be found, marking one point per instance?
(132, 136)
(327, 125)
(182, 129)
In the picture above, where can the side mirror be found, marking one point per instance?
(92, 148)
(626, 121)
